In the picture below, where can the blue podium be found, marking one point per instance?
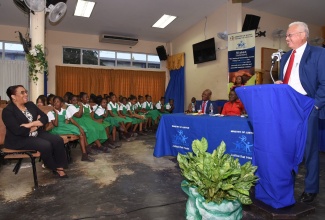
(279, 117)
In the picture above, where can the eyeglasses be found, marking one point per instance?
(24, 92)
(290, 35)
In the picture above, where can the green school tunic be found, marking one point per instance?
(64, 128)
(154, 114)
(95, 130)
(124, 110)
(116, 120)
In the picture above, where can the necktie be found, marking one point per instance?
(203, 106)
(289, 68)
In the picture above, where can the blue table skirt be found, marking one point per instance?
(176, 133)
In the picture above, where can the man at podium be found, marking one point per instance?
(303, 68)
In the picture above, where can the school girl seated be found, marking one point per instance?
(100, 114)
(64, 124)
(96, 133)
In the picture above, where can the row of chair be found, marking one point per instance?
(19, 155)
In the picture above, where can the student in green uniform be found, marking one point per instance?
(114, 118)
(81, 114)
(49, 99)
(61, 126)
(123, 113)
(100, 115)
(138, 120)
(152, 115)
(140, 111)
(170, 106)
(161, 106)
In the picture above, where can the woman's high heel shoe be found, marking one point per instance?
(60, 176)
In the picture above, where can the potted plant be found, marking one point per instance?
(36, 62)
(216, 183)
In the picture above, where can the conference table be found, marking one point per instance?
(176, 133)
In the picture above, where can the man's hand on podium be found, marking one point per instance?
(278, 82)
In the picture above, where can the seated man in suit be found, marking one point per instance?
(205, 104)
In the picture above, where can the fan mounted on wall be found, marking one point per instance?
(223, 35)
(278, 33)
(56, 9)
(35, 5)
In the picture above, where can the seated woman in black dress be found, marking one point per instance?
(22, 120)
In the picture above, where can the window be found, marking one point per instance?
(12, 51)
(90, 57)
(123, 59)
(139, 60)
(153, 61)
(109, 58)
(71, 56)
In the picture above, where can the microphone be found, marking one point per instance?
(276, 56)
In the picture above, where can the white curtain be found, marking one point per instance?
(12, 72)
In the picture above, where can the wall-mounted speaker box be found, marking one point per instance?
(161, 51)
(251, 22)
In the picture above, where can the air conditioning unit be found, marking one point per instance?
(105, 38)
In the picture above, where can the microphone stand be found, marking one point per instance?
(271, 73)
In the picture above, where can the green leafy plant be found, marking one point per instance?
(36, 62)
(217, 176)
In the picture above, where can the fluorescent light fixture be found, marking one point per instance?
(164, 21)
(84, 8)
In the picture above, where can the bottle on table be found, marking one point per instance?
(211, 109)
(193, 107)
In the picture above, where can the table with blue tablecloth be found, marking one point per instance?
(176, 133)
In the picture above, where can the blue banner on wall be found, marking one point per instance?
(241, 57)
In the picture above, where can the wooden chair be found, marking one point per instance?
(67, 138)
(17, 154)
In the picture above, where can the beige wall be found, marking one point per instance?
(7, 33)
(55, 41)
(214, 74)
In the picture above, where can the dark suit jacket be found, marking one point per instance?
(312, 74)
(13, 118)
(207, 108)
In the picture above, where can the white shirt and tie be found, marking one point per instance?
(204, 106)
(294, 80)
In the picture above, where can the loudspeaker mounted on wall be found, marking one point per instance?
(251, 22)
(161, 51)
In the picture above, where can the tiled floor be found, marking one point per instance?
(128, 183)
